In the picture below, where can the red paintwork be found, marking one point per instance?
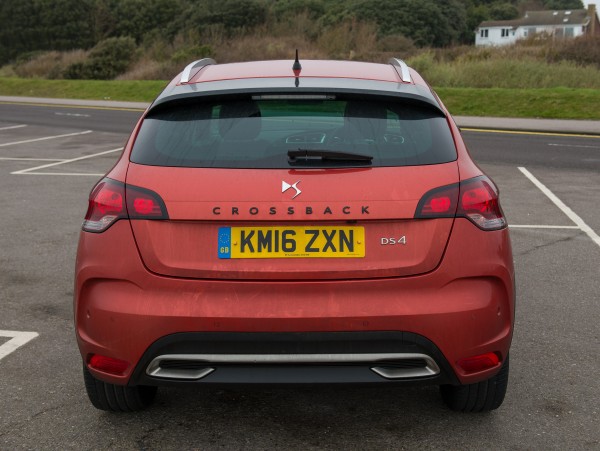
(180, 247)
(391, 193)
(458, 292)
(189, 249)
(465, 306)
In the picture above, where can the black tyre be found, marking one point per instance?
(117, 398)
(480, 397)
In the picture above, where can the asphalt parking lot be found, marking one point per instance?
(50, 158)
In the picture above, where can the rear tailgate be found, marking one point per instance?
(360, 222)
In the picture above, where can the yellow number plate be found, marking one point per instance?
(290, 242)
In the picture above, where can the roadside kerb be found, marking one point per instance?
(108, 104)
(530, 125)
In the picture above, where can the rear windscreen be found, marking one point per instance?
(260, 133)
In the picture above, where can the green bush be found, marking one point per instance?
(119, 50)
(109, 58)
(423, 63)
(189, 54)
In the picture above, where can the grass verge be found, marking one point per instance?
(550, 103)
(124, 90)
(546, 103)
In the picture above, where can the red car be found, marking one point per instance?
(302, 222)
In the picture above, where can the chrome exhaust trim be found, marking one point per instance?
(386, 365)
(389, 372)
(155, 370)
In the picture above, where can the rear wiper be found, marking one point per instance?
(325, 155)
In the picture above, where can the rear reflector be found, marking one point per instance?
(475, 199)
(108, 364)
(479, 362)
(111, 200)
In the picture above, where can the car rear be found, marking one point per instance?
(321, 226)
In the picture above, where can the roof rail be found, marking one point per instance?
(187, 75)
(399, 64)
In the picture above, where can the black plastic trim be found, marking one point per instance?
(292, 343)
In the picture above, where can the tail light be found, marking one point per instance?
(479, 203)
(439, 203)
(106, 206)
(475, 199)
(111, 200)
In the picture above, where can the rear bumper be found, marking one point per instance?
(464, 307)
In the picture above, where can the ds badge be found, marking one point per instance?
(392, 241)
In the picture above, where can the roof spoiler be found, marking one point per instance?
(187, 74)
(402, 67)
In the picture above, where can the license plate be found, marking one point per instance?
(292, 242)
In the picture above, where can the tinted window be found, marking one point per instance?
(258, 133)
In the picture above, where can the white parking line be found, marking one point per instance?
(29, 159)
(66, 173)
(12, 127)
(17, 339)
(518, 226)
(72, 114)
(573, 145)
(559, 203)
(44, 166)
(45, 138)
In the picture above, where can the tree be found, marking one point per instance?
(135, 18)
(230, 14)
(291, 8)
(503, 11)
(30, 25)
(426, 22)
(563, 4)
(456, 15)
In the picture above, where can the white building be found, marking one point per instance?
(559, 24)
